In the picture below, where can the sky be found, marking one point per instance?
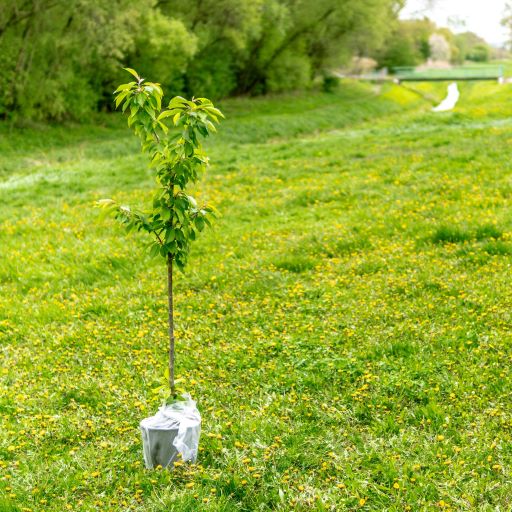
(480, 16)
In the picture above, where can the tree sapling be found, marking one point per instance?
(178, 159)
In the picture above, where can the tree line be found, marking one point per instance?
(412, 42)
(62, 58)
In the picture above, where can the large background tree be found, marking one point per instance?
(62, 58)
(407, 44)
(300, 39)
(472, 47)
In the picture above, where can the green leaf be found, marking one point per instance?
(178, 101)
(215, 112)
(150, 111)
(157, 390)
(203, 130)
(170, 235)
(180, 234)
(164, 114)
(215, 118)
(158, 88)
(123, 87)
(180, 216)
(155, 249)
(165, 130)
(173, 247)
(132, 72)
(211, 127)
(126, 104)
(199, 222)
(121, 97)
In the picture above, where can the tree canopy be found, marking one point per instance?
(407, 44)
(63, 58)
(472, 47)
(415, 41)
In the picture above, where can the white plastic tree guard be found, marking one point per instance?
(173, 431)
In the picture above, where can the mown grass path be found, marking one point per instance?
(347, 334)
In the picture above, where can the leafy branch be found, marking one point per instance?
(171, 138)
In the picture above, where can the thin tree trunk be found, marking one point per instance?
(171, 326)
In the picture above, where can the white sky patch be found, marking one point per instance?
(480, 16)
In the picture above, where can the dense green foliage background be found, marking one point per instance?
(61, 58)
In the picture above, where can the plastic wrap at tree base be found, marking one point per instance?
(173, 430)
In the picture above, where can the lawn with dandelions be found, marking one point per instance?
(347, 334)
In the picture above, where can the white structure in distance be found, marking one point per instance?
(450, 101)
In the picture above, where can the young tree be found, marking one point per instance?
(178, 159)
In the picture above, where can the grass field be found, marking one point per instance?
(347, 334)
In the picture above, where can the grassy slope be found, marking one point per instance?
(345, 328)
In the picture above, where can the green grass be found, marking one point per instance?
(346, 333)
